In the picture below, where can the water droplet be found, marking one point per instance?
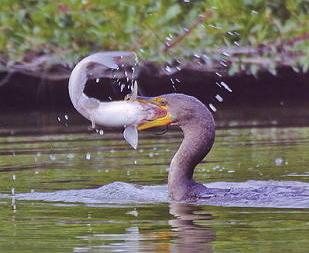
(97, 80)
(88, 156)
(197, 56)
(179, 61)
(226, 86)
(226, 54)
(216, 167)
(52, 157)
(168, 69)
(215, 27)
(222, 63)
(205, 57)
(219, 98)
(133, 213)
(92, 122)
(70, 156)
(279, 161)
(212, 107)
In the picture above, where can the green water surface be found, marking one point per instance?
(83, 159)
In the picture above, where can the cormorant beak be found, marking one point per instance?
(162, 116)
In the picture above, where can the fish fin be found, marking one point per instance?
(133, 95)
(134, 91)
(131, 136)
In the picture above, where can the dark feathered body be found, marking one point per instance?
(198, 127)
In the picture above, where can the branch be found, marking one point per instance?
(201, 19)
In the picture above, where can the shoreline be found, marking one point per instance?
(22, 90)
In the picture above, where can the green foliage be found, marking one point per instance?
(73, 28)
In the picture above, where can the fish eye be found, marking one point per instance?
(163, 102)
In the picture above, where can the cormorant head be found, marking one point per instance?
(179, 109)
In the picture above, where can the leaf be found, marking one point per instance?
(171, 12)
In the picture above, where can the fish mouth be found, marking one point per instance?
(161, 116)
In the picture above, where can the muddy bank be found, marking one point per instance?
(21, 90)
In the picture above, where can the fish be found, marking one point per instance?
(128, 113)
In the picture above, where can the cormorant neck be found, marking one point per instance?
(199, 135)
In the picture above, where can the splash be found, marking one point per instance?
(274, 194)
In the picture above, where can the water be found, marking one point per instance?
(38, 158)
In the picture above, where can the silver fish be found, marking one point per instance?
(128, 113)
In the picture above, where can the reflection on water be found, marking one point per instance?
(78, 159)
(183, 235)
(190, 236)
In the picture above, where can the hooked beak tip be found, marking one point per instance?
(161, 115)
